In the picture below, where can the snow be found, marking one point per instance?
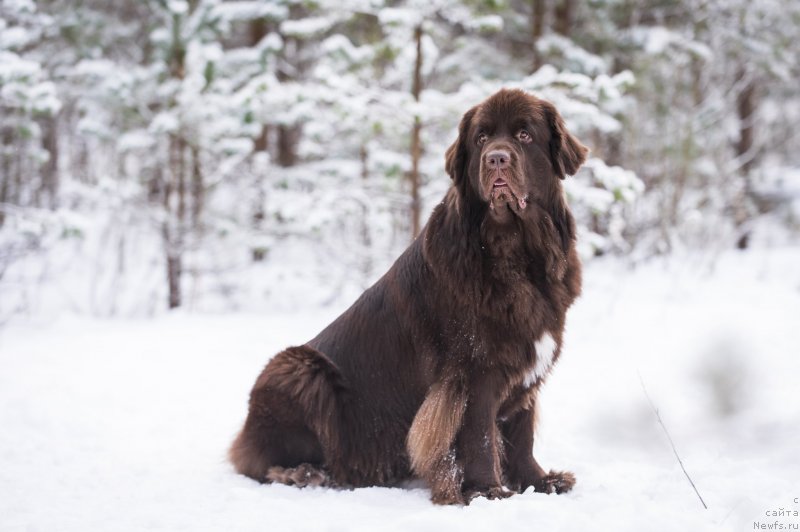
(137, 139)
(124, 424)
(307, 27)
(579, 59)
(164, 122)
(231, 11)
(488, 23)
(13, 68)
(658, 39)
(20, 6)
(392, 16)
(178, 7)
(616, 182)
(13, 38)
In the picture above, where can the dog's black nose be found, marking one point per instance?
(498, 159)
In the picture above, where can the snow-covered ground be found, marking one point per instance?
(124, 425)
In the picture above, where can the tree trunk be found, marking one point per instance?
(5, 174)
(258, 216)
(169, 231)
(366, 237)
(416, 147)
(179, 175)
(174, 279)
(537, 27)
(363, 157)
(287, 141)
(81, 160)
(745, 109)
(49, 186)
(175, 256)
(197, 188)
(15, 196)
(258, 29)
(564, 14)
(745, 154)
(261, 144)
(174, 225)
(289, 135)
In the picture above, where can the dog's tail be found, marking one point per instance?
(431, 437)
(293, 420)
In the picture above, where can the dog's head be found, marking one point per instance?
(512, 149)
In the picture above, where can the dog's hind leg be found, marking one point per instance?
(292, 420)
(273, 435)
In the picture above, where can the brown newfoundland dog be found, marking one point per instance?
(434, 371)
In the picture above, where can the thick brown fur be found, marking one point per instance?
(434, 371)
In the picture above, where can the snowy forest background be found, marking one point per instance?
(219, 155)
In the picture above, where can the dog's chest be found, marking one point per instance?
(526, 315)
(545, 351)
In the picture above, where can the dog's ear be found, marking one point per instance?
(456, 157)
(567, 154)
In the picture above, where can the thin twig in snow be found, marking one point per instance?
(674, 450)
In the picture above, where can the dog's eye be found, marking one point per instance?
(524, 136)
(483, 137)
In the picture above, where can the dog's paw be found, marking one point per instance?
(555, 482)
(448, 498)
(492, 493)
(301, 476)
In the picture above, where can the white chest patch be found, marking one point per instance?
(545, 349)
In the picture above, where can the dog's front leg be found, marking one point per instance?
(478, 442)
(521, 468)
